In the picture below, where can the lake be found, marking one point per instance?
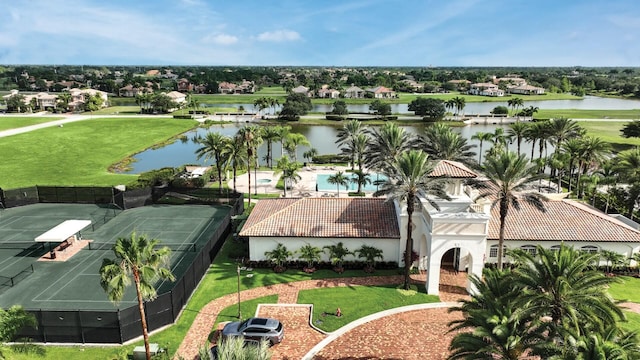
(321, 137)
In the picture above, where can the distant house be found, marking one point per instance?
(460, 84)
(301, 90)
(132, 91)
(177, 97)
(185, 85)
(153, 72)
(80, 96)
(381, 92)
(485, 89)
(510, 79)
(414, 85)
(526, 90)
(326, 93)
(354, 92)
(226, 88)
(245, 87)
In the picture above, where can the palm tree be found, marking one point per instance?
(278, 256)
(515, 103)
(63, 100)
(385, 144)
(495, 332)
(251, 136)
(309, 154)
(481, 137)
(310, 254)
(611, 257)
(518, 130)
(562, 129)
(214, 146)
(289, 172)
(337, 254)
(236, 156)
(449, 104)
(269, 135)
(508, 175)
(338, 179)
(360, 178)
(594, 151)
(408, 177)
(561, 285)
(346, 135)
(574, 149)
(459, 103)
(283, 132)
(370, 254)
(613, 343)
(356, 150)
(292, 141)
(137, 257)
(442, 143)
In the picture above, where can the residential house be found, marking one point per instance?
(79, 97)
(460, 234)
(354, 92)
(302, 90)
(414, 85)
(525, 90)
(326, 93)
(509, 79)
(133, 91)
(381, 92)
(177, 97)
(485, 89)
(185, 85)
(460, 84)
(153, 72)
(226, 88)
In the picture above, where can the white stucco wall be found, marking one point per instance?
(259, 245)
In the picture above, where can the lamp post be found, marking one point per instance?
(239, 312)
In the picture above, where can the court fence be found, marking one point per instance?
(121, 325)
(11, 281)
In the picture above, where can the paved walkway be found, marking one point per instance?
(451, 290)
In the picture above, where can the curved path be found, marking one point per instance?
(288, 294)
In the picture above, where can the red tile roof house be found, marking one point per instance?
(461, 233)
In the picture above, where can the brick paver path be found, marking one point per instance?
(451, 289)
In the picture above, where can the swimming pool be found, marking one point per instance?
(263, 181)
(323, 184)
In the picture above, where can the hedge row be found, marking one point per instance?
(300, 264)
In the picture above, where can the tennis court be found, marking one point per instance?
(74, 284)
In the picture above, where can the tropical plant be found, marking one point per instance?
(508, 176)
(279, 256)
(236, 154)
(12, 321)
(269, 135)
(459, 103)
(440, 142)
(346, 137)
(237, 348)
(369, 254)
(515, 103)
(517, 131)
(611, 257)
(408, 177)
(214, 146)
(310, 254)
(291, 143)
(136, 257)
(631, 129)
(338, 179)
(289, 172)
(385, 144)
(309, 154)
(481, 137)
(63, 101)
(250, 135)
(337, 254)
(636, 257)
(360, 178)
(340, 108)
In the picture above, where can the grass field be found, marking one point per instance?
(80, 153)
(12, 122)
(588, 114)
(609, 131)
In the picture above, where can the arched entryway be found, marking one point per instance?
(449, 261)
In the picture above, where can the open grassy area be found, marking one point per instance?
(588, 114)
(248, 309)
(626, 290)
(118, 110)
(609, 131)
(80, 153)
(12, 122)
(370, 299)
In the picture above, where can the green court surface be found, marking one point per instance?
(75, 283)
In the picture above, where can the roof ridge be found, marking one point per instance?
(591, 210)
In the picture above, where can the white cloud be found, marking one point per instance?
(221, 39)
(279, 36)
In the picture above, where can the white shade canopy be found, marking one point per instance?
(63, 231)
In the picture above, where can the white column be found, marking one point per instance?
(475, 268)
(433, 276)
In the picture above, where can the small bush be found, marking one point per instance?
(182, 117)
(330, 159)
(356, 194)
(334, 117)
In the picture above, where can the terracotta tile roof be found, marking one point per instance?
(564, 220)
(323, 217)
(452, 169)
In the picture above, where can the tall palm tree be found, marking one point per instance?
(236, 156)
(594, 151)
(214, 146)
(408, 177)
(251, 136)
(347, 134)
(283, 132)
(562, 284)
(338, 179)
(291, 143)
(442, 143)
(63, 100)
(562, 129)
(356, 149)
(459, 103)
(515, 103)
(136, 257)
(309, 154)
(517, 131)
(508, 176)
(609, 175)
(481, 137)
(386, 143)
(361, 178)
(574, 149)
(289, 172)
(270, 134)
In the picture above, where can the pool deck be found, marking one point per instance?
(306, 187)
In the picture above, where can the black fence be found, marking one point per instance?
(118, 326)
(11, 281)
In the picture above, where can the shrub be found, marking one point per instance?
(356, 194)
(182, 116)
(330, 159)
(335, 117)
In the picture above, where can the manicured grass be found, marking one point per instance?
(609, 131)
(370, 299)
(80, 153)
(588, 114)
(632, 323)
(627, 290)
(118, 110)
(248, 309)
(12, 122)
(67, 353)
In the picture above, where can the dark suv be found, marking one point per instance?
(256, 329)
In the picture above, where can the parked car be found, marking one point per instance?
(256, 329)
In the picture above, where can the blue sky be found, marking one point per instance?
(321, 33)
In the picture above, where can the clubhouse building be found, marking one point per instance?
(461, 234)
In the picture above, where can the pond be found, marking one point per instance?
(321, 137)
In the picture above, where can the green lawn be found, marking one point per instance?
(609, 131)
(248, 309)
(356, 302)
(626, 290)
(12, 122)
(118, 110)
(80, 153)
(588, 114)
